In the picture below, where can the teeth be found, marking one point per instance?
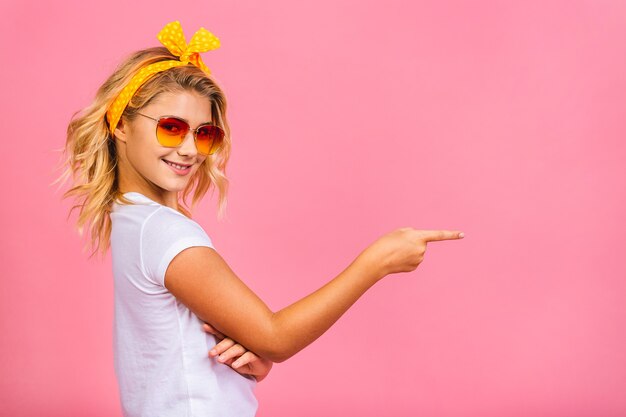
(176, 166)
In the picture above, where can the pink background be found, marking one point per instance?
(504, 120)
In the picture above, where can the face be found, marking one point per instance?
(142, 159)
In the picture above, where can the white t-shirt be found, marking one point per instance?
(161, 352)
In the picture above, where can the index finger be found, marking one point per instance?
(434, 235)
(222, 347)
(208, 328)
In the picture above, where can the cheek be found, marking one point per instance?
(141, 151)
(199, 167)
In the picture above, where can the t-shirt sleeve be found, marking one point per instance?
(163, 236)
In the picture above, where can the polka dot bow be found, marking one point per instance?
(172, 37)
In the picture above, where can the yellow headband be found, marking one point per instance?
(172, 37)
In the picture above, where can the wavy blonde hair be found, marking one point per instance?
(89, 156)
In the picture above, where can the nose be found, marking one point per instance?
(188, 147)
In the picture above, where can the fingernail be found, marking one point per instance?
(461, 234)
(213, 352)
(235, 364)
(222, 358)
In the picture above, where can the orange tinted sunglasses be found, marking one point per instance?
(171, 132)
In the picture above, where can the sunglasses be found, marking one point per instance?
(171, 132)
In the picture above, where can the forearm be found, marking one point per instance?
(299, 324)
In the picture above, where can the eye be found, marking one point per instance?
(170, 127)
(173, 126)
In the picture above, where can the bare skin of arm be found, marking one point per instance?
(202, 280)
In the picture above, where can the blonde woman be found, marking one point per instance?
(156, 133)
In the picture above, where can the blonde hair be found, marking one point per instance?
(90, 156)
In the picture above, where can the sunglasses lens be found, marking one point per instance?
(209, 139)
(171, 131)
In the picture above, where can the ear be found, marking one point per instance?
(120, 130)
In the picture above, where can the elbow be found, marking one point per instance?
(280, 346)
(278, 356)
(276, 351)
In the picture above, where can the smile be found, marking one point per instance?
(179, 169)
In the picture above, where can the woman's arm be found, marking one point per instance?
(201, 279)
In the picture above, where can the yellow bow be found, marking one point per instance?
(173, 38)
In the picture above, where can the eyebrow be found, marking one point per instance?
(187, 121)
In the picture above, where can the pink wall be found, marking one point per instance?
(350, 119)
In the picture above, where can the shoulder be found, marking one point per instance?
(168, 223)
(164, 234)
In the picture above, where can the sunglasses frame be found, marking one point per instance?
(195, 131)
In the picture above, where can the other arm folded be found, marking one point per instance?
(200, 278)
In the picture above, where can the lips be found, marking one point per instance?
(184, 166)
(177, 168)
